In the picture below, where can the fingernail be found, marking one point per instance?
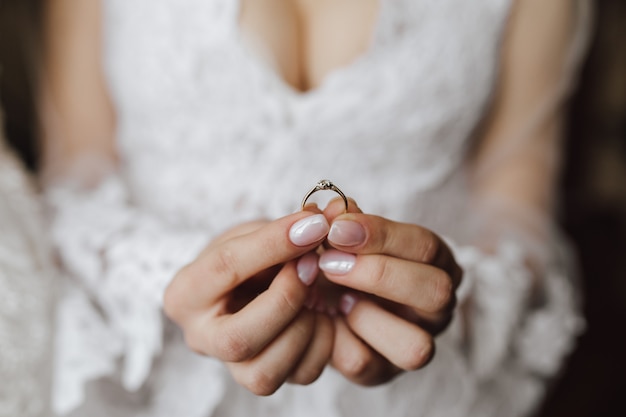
(336, 262)
(346, 303)
(307, 268)
(309, 230)
(346, 233)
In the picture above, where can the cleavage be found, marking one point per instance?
(305, 40)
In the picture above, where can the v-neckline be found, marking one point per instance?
(341, 71)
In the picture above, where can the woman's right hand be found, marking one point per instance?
(243, 301)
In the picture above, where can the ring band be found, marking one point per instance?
(325, 185)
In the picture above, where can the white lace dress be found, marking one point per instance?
(210, 136)
(27, 283)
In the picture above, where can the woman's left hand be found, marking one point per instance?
(400, 284)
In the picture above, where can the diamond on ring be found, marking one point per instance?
(325, 185)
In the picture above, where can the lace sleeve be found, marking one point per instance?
(120, 259)
(27, 294)
(518, 302)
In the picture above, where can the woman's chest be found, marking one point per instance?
(304, 40)
(166, 56)
(195, 101)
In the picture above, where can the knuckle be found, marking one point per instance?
(443, 292)
(441, 324)
(194, 343)
(383, 240)
(382, 272)
(418, 355)
(271, 245)
(356, 366)
(260, 382)
(450, 307)
(231, 346)
(307, 375)
(174, 297)
(431, 248)
(223, 263)
(289, 299)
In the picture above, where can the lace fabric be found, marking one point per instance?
(123, 258)
(26, 295)
(209, 137)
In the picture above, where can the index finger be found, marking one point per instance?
(365, 234)
(231, 262)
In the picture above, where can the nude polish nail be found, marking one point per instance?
(307, 268)
(337, 262)
(309, 230)
(346, 303)
(346, 233)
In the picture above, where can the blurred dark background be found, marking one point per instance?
(594, 215)
(19, 25)
(593, 194)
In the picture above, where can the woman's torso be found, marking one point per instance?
(211, 133)
(206, 124)
(27, 293)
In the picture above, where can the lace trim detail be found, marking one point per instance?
(498, 325)
(123, 258)
(27, 283)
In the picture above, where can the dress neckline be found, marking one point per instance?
(334, 75)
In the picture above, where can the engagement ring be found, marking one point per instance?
(325, 185)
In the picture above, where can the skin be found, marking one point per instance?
(405, 295)
(265, 342)
(406, 279)
(264, 339)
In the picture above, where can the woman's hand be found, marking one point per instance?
(242, 301)
(401, 281)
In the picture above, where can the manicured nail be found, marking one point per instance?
(347, 302)
(346, 233)
(307, 268)
(336, 262)
(309, 230)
